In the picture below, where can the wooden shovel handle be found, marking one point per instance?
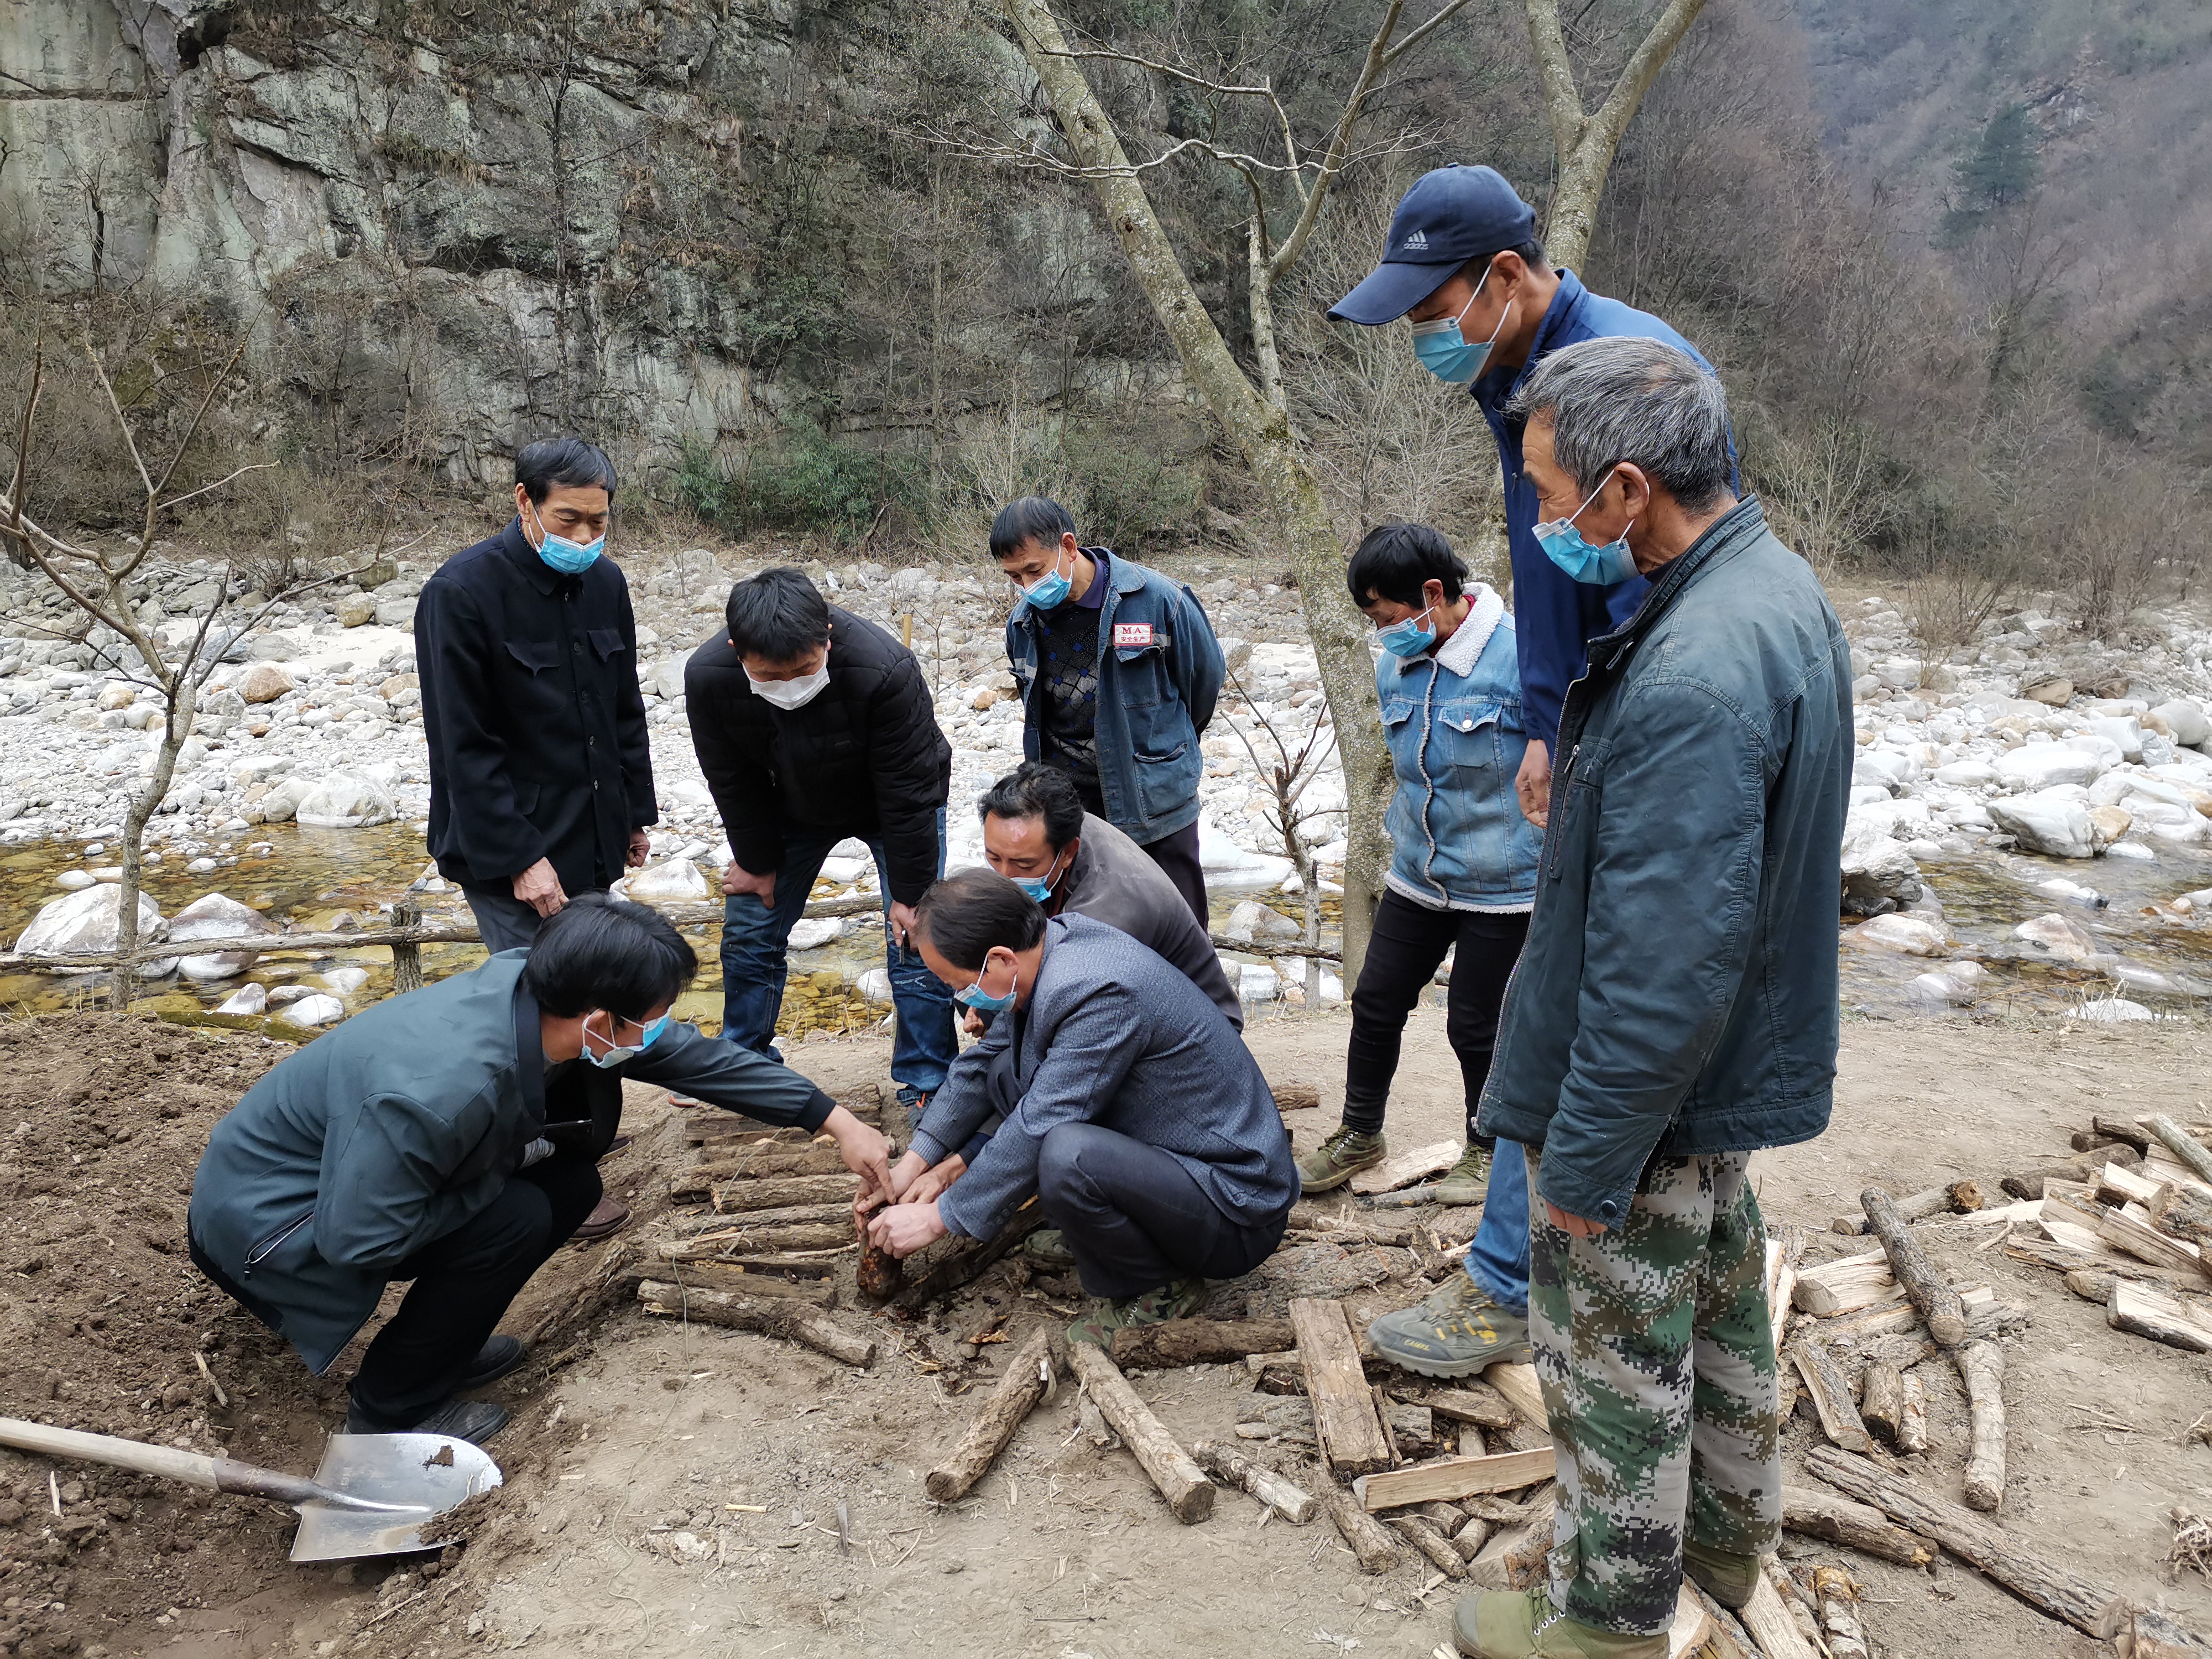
(167, 1461)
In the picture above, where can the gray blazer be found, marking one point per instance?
(1111, 1035)
(1114, 881)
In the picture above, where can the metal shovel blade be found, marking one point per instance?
(387, 1490)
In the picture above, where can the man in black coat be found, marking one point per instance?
(541, 783)
(812, 724)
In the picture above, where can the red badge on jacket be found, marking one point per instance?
(1128, 636)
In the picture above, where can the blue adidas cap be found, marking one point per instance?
(1450, 216)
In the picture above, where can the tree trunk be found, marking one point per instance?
(178, 711)
(1262, 433)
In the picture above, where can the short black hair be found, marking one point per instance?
(1033, 519)
(568, 462)
(777, 615)
(968, 916)
(1034, 790)
(1396, 559)
(599, 952)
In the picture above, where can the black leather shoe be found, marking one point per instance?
(499, 1356)
(473, 1420)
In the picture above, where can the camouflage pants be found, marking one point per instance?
(1655, 1351)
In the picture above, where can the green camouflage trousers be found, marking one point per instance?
(1656, 1351)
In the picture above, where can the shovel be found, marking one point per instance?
(373, 1494)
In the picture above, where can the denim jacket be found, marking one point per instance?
(1452, 720)
(1159, 672)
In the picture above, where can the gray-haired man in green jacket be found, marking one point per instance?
(441, 1137)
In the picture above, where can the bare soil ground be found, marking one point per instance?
(634, 1437)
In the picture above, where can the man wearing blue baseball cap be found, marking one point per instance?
(1463, 264)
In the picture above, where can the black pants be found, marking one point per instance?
(1177, 854)
(1135, 1219)
(1403, 953)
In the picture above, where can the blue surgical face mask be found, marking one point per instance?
(1039, 887)
(1407, 638)
(1597, 567)
(611, 1057)
(974, 996)
(1445, 354)
(1052, 588)
(570, 558)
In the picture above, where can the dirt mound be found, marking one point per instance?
(102, 1314)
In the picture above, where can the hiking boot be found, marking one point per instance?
(1177, 1301)
(1728, 1577)
(1454, 1331)
(1524, 1625)
(1339, 1159)
(1467, 1182)
(1048, 1248)
(498, 1355)
(473, 1420)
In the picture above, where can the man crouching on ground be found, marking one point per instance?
(1674, 1008)
(446, 1137)
(1133, 1110)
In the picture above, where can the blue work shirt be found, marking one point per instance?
(1554, 616)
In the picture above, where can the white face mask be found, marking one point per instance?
(792, 694)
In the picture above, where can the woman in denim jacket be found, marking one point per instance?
(1464, 865)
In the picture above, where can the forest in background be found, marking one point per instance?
(1951, 259)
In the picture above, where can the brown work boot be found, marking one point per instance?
(1524, 1625)
(607, 1216)
(1339, 1159)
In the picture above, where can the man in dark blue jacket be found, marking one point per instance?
(1119, 670)
(1464, 267)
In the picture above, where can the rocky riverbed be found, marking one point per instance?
(2032, 817)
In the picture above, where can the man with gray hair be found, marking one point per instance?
(1674, 1008)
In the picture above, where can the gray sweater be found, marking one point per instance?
(1111, 1035)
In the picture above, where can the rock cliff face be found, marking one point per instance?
(468, 221)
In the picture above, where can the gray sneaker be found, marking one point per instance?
(1455, 1331)
(1339, 1159)
(1467, 1182)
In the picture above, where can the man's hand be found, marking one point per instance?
(905, 1228)
(862, 1150)
(901, 921)
(929, 1187)
(540, 888)
(736, 881)
(972, 1023)
(641, 849)
(1577, 1227)
(903, 1174)
(1533, 783)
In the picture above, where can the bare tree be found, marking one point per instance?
(1289, 770)
(98, 584)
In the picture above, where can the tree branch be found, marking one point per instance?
(1611, 122)
(1563, 103)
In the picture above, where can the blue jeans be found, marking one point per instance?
(1498, 1260)
(755, 966)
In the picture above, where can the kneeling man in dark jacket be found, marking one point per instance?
(1133, 1110)
(443, 1137)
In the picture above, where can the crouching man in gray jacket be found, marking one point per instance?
(1133, 1110)
(444, 1137)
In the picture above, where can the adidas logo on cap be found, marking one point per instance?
(1419, 238)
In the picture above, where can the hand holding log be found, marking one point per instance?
(1938, 1303)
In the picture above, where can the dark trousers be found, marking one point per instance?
(504, 921)
(1135, 1219)
(1403, 953)
(462, 1286)
(1177, 854)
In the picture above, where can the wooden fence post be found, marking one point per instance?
(406, 958)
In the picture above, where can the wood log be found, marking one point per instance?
(1784, 1256)
(781, 1192)
(1371, 1542)
(1423, 1536)
(878, 1273)
(1469, 1539)
(1351, 1433)
(2185, 1146)
(729, 1276)
(1989, 1215)
(1404, 1169)
(1938, 1303)
(1794, 1600)
(2144, 1633)
(2028, 1183)
(1982, 1365)
(1294, 1096)
(1471, 1440)
(948, 1264)
(1914, 1207)
(2140, 1310)
(1881, 1399)
(695, 1184)
(1728, 1638)
(1020, 1386)
(1517, 1555)
(1831, 1394)
(1770, 1625)
(1232, 1468)
(1839, 1615)
(2115, 1185)
(1470, 1402)
(2182, 1212)
(1518, 1384)
(761, 1241)
(1847, 1284)
(2065, 1258)
(714, 1128)
(2113, 1128)
(1448, 1477)
(1692, 1627)
(1189, 1493)
(1851, 1329)
(2125, 1233)
(1912, 1419)
(1292, 1418)
(2162, 1165)
(1198, 1342)
(1981, 1544)
(769, 1316)
(795, 1215)
(778, 1266)
(1967, 1195)
(2088, 1140)
(1310, 1218)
